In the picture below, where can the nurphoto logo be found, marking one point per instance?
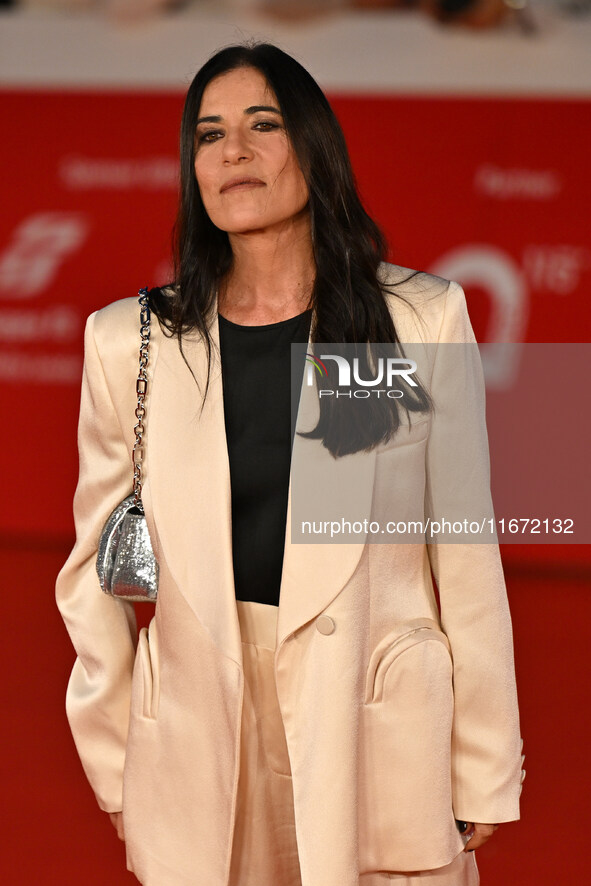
(388, 370)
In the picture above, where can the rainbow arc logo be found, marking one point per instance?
(317, 364)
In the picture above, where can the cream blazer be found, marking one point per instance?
(398, 720)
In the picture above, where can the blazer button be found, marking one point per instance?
(325, 624)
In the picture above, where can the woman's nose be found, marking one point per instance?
(235, 147)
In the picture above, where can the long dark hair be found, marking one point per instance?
(347, 299)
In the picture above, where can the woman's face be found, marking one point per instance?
(247, 171)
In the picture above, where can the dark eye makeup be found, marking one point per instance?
(209, 136)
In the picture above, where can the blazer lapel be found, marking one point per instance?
(191, 494)
(321, 489)
(190, 485)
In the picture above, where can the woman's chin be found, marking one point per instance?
(259, 224)
(248, 226)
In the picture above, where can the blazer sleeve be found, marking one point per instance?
(102, 629)
(486, 745)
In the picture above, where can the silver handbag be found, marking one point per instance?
(126, 565)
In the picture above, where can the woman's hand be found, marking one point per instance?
(117, 822)
(479, 834)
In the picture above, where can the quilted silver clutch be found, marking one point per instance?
(125, 564)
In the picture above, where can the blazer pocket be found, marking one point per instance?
(406, 821)
(146, 676)
(392, 647)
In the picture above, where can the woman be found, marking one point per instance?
(290, 715)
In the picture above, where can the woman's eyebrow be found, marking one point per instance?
(254, 108)
(215, 118)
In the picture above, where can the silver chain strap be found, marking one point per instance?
(137, 454)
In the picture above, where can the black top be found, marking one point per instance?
(260, 412)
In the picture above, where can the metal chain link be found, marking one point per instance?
(137, 453)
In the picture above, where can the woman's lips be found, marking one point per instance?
(241, 183)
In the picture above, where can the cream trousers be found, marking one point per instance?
(265, 851)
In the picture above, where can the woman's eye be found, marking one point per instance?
(266, 125)
(211, 135)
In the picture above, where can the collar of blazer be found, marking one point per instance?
(188, 490)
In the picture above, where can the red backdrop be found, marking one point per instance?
(491, 192)
(487, 191)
